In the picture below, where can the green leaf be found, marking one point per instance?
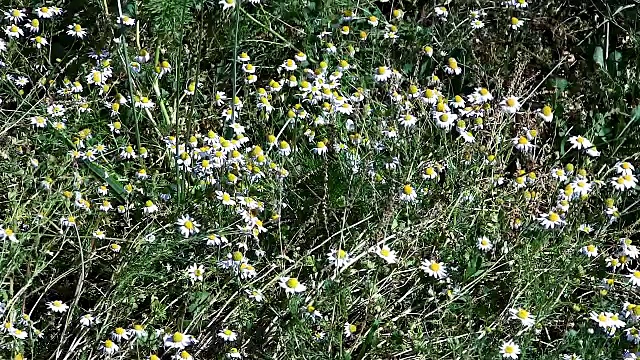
(114, 184)
(598, 56)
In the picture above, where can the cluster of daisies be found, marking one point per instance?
(329, 106)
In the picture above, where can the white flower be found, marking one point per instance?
(76, 30)
(510, 104)
(291, 285)
(523, 315)
(634, 277)
(57, 306)
(126, 20)
(515, 23)
(408, 194)
(228, 335)
(144, 102)
(580, 143)
(188, 226)
(196, 272)
(87, 320)
(624, 168)
(523, 144)
(382, 73)
(13, 31)
(509, 350)
(551, 220)
(484, 243)
(178, 340)
(435, 269)
(289, 65)
(119, 334)
(109, 347)
(227, 4)
(339, 258)
(19, 334)
(546, 114)
(386, 253)
(349, 329)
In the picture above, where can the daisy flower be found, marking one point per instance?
(523, 144)
(119, 334)
(13, 31)
(634, 277)
(44, 12)
(509, 350)
(289, 65)
(320, 148)
(408, 194)
(196, 272)
(515, 23)
(624, 168)
(452, 67)
(87, 320)
(178, 340)
(144, 102)
(477, 24)
(510, 104)
(57, 306)
(435, 269)
(126, 20)
(76, 30)
(291, 285)
(228, 335)
(188, 226)
(109, 347)
(551, 220)
(386, 254)
(580, 143)
(227, 4)
(484, 243)
(382, 73)
(339, 258)
(523, 315)
(349, 329)
(442, 12)
(15, 15)
(546, 113)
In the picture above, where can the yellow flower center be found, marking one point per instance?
(435, 267)
(514, 21)
(292, 283)
(227, 332)
(341, 254)
(553, 217)
(77, 28)
(511, 102)
(385, 252)
(408, 190)
(636, 274)
(237, 256)
(120, 331)
(523, 140)
(382, 70)
(508, 349)
(108, 344)
(352, 328)
(177, 337)
(188, 224)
